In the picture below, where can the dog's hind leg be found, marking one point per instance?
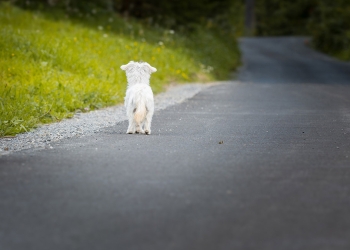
(139, 117)
(148, 123)
(131, 128)
(139, 129)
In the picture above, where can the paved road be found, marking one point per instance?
(280, 179)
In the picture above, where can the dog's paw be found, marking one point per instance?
(129, 132)
(141, 131)
(147, 132)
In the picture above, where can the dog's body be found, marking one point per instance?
(139, 102)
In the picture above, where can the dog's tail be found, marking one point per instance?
(140, 112)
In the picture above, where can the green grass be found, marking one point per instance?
(53, 64)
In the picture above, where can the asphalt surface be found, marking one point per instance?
(260, 164)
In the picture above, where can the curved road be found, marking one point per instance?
(280, 179)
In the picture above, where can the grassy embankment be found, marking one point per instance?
(53, 64)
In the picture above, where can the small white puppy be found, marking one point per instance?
(139, 102)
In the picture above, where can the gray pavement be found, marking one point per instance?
(280, 179)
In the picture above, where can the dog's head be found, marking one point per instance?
(136, 66)
(138, 72)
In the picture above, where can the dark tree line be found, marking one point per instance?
(166, 13)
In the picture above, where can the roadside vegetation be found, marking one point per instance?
(56, 61)
(326, 22)
(330, 28)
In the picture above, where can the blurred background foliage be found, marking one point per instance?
(330, 27)
(184, 15)
(326, 21)
(281, 17)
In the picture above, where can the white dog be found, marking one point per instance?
(139, 102)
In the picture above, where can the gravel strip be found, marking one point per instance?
(83, 124)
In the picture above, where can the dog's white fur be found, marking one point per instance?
(139, 102)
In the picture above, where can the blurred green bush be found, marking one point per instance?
(330, 27)
(281, 17)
